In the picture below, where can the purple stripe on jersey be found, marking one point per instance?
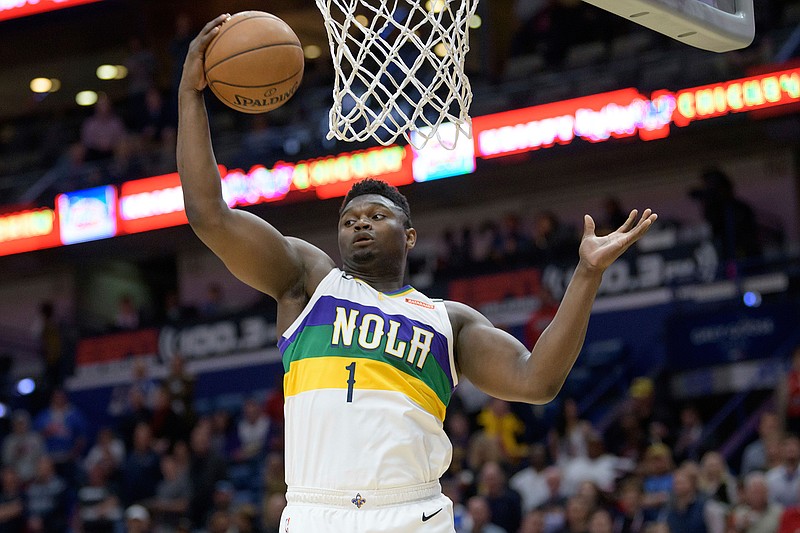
(324, 314)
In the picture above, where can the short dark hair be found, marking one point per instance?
(373, 186)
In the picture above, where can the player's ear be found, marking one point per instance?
(411, 238)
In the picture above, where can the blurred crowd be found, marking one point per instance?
(132, 134)
(161, 466)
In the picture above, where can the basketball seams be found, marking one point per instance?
(218, 63)
(264, 50)
(223, 29)
(220, 82)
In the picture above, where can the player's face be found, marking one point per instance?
(372, 233)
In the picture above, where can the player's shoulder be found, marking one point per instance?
(461, 314)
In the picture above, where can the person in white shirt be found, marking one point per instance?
(530, 482)
(784, 480)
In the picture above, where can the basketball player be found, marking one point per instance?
(370, 364)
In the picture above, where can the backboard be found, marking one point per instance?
(715, 25)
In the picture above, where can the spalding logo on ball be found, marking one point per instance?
(255, 63)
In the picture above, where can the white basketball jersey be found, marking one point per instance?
(368, 376)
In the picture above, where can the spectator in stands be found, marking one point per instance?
(690, 441)
(567, 439)
(140, 381)
(504, 502)
(99, 509)
(128, 315)
(457, 426)
(12, 502)
(657, 467)
(46, 498)
(653, 417)
(219, 522)
(180, 384)
(613, 216)
(207, 468)
(552, 241)
(252, 430)
(533, 522)
(222, 497)
(756, 514)
(541, 317)
(754, 456)
(178, 48)
(245, 519)
(23, 447)
(141, 471)
(108, 451)
(600, 521)
(597, 466)
(555, 500)
(167, 426)
(47, 330)
(576, 515)
(223, 433)
(515, 242)
(789, 395)
(530, 482)
(64, 429)
(171, 501)
(630, 513)
(154, 120)
(480, 514)
(102, 132)
(716, 481)
(212, 306)
(132, 414)
(500, 424)
(733, 222)
(784, 480)
(137, 519)
(274, 474)
(272, 509)
(141, 64)
(626, 437)
(688, 511)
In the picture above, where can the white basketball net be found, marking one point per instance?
(390, 78)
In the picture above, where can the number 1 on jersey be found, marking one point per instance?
(351, 380)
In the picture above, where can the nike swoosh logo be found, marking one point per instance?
(428, 517)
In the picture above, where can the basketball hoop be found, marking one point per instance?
(399, 69)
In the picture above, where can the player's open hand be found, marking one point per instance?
(194, 76)
(597, 253)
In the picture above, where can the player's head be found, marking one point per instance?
(375, 232)
(381, 188)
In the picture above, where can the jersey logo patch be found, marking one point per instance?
(425, 517)
(358, 501)
(420, 304)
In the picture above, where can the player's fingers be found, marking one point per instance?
(644, 224)
(210, 25)
(208, 32)
(629, 222)
(588, 226)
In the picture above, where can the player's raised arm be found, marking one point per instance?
(253, 250)
(500, 365)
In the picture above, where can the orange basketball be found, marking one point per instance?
(255, 63)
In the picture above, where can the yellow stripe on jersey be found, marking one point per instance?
(316, 373)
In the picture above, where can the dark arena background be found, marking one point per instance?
(141, 384)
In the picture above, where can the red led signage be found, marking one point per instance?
(11, 9)
(595, 118)
(30, 230)
(746, 94)
(157, 202)
(151, 203)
